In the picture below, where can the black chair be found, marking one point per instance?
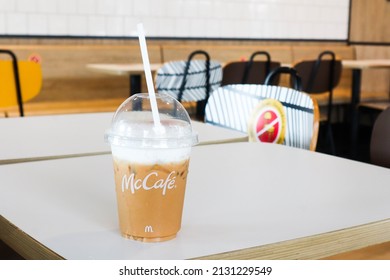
(377, 105)
(275, 74)
(249, 72)
(190, 80)
(320, 76)
(372, 108)
(380, 140)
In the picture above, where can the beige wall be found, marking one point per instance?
(370, 34)
(370, 21)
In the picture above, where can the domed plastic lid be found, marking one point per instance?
(133, 126)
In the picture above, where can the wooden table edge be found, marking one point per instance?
(24, 244)
(31, 159)
(305, 248)
(316, 246)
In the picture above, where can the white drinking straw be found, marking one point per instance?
(148, 74)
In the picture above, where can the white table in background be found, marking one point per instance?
(122, 69)
(43, 137)
(133, 70)
(243, 200)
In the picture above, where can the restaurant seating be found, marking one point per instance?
(274, 75)
(296, 113)
(368, 111)
(20, 81)
(319, 76)
(377, 105)
(249, 72)
(380, 140)
(373, 107)
(190, 80)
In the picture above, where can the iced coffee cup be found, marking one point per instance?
(150, 166)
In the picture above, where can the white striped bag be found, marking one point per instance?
(169, 79)
(240, 107)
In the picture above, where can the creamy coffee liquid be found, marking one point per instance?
(150, 164)
(150, 195)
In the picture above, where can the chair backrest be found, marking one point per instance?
(20, 81)
(239, 107)
(190, 80)
(380, 140)
(275, 74)
(320, 75)
(249, 72)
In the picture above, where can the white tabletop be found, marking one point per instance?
(366, 63)
(122, 69)
(239, 195)
(32, 138)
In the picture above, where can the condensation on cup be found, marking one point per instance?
(150, 166)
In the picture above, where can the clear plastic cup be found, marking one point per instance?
(151, 166)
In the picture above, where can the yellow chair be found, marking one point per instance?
(20, 81)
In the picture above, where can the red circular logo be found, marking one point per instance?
(268, 122)
(268, 126)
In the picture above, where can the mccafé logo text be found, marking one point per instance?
(137, 184)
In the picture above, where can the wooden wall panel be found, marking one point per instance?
(65, 76)
(370, 21)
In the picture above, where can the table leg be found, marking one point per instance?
(135, 84)
(355, 99)
(135, 87)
